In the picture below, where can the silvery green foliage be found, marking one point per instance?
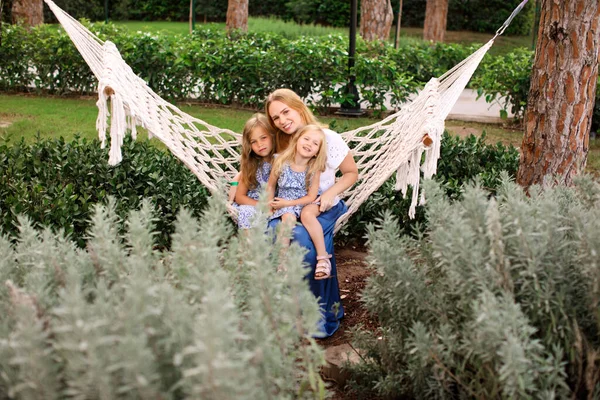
(498, 299)
(209, 319)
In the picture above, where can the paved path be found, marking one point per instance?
(469, 108)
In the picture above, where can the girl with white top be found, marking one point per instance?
(296, 175)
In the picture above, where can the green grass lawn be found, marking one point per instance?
(30, 117)
(255, 24)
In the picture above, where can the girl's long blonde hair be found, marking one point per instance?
(250, 160)
(315, 164)
(292, 100)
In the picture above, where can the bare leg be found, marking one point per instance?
(309, 220)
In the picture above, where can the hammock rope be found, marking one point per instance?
(393, 145)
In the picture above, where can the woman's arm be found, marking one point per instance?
(349, 177)
(241, 195)
(311, 196)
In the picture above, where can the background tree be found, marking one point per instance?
(436, 13)
(562, 92)
(376, 18)
(28, 12)
(237, 15)
(398, 23)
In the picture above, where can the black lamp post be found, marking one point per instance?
(351, 106)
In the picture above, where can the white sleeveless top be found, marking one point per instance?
(337, 150)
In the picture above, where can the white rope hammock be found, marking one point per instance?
(395, 144)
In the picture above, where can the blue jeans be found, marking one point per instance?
(326, 290)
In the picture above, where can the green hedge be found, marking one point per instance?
(509, 77)
(213, 68)
(56, 183)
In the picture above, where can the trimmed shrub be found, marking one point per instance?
(210, 67)
(14, 73)
(507, 77)
(57, 184)
(423, 61)
(498, 298)
(63, 196)
(209, 319)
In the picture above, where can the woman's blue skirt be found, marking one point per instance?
(326, 290)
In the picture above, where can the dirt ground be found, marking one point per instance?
(352, 276)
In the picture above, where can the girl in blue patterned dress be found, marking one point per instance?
(255, 166)
(295, 178)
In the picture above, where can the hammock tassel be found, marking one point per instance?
(434, 130)
(414, 179)
(104, 93)
(132, 126)
(118, 126)
(402, 177)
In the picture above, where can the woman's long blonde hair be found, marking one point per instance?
(315, 164)
(250, 160)
(292, 100)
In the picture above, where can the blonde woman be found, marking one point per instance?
(288, 114)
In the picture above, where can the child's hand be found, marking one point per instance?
(278, 203)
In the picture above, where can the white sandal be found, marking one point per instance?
(323, 267)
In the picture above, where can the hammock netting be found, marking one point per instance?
(393, 145)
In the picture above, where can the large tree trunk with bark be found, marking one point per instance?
(436, 14)
(28, 12)
(376, 17)
(237, 15)
(562, 92)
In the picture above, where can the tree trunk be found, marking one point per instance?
(376, 17)
(436, 13)
(237, 15)
(562, 93)
(191, 16)
(28, 12)
(398, 24)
